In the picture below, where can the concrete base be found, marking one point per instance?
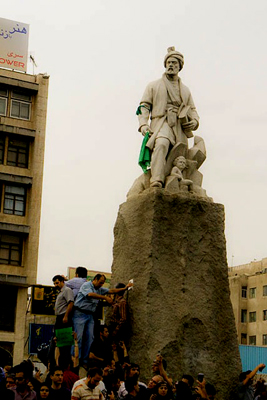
(173, 246)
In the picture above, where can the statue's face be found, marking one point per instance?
(172, 66)
(181, 163)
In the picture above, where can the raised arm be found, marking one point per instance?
(114, 291)
(162, 371)
(253, 373)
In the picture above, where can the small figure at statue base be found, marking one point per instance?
(181, 171)
(176, 179)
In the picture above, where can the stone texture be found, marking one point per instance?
(173, 246)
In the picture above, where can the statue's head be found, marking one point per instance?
(175, 55)
(180, 162)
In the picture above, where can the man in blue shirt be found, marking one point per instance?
(76, 283)
(85, 305)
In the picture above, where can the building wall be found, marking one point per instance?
(23, 107)
(252, 301)
(251, 356)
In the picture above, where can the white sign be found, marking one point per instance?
(14, 38)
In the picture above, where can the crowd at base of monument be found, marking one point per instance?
(106, 373)
(116, 381)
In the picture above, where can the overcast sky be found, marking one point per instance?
(100, 55)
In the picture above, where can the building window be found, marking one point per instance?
(244, 292)
(243, 338)
(21, 106)
(252, 293)
(252, 340)
(265, 290)
(264, 340)
(264, 315)
(8, 302)
(252, 316)
(10, 249)
(3, 101)
(18, 153)
(2, 149)
(15, 200)
(243, 315)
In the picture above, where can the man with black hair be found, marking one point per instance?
(133, 388)
(132, 371)
(211, 391)
(21, 390)
(184, 388)
(57, 391)
(85, 305)
(245, 390)
(64, 303)
(87, 388)
(10, 380)
(76, 282)
(7, 384)
(101, 350)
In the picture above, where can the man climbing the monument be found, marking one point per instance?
(85, 305)
(169, 104)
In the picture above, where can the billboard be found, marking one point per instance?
(43, 300)
(14, 37)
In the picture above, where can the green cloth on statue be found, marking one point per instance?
(139, 111)
(144, 156)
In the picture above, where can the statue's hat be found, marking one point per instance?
(173, 53)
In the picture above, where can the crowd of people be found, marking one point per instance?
(117, 379)
(96, 366)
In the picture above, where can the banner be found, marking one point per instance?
(14, 37)
(43, 299)
(40, 334)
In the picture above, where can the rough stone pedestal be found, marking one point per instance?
(173, 246)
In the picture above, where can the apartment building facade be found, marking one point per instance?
(23, 109)
(248, 287)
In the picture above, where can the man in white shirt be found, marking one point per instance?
(87, 388)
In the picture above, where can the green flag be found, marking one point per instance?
(64, 337)
(144, 156)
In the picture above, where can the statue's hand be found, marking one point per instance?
(190, 126)
(145, 129)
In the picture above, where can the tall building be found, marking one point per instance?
(248, 287)
(23, 107)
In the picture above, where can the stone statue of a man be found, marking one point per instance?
(169, 104)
